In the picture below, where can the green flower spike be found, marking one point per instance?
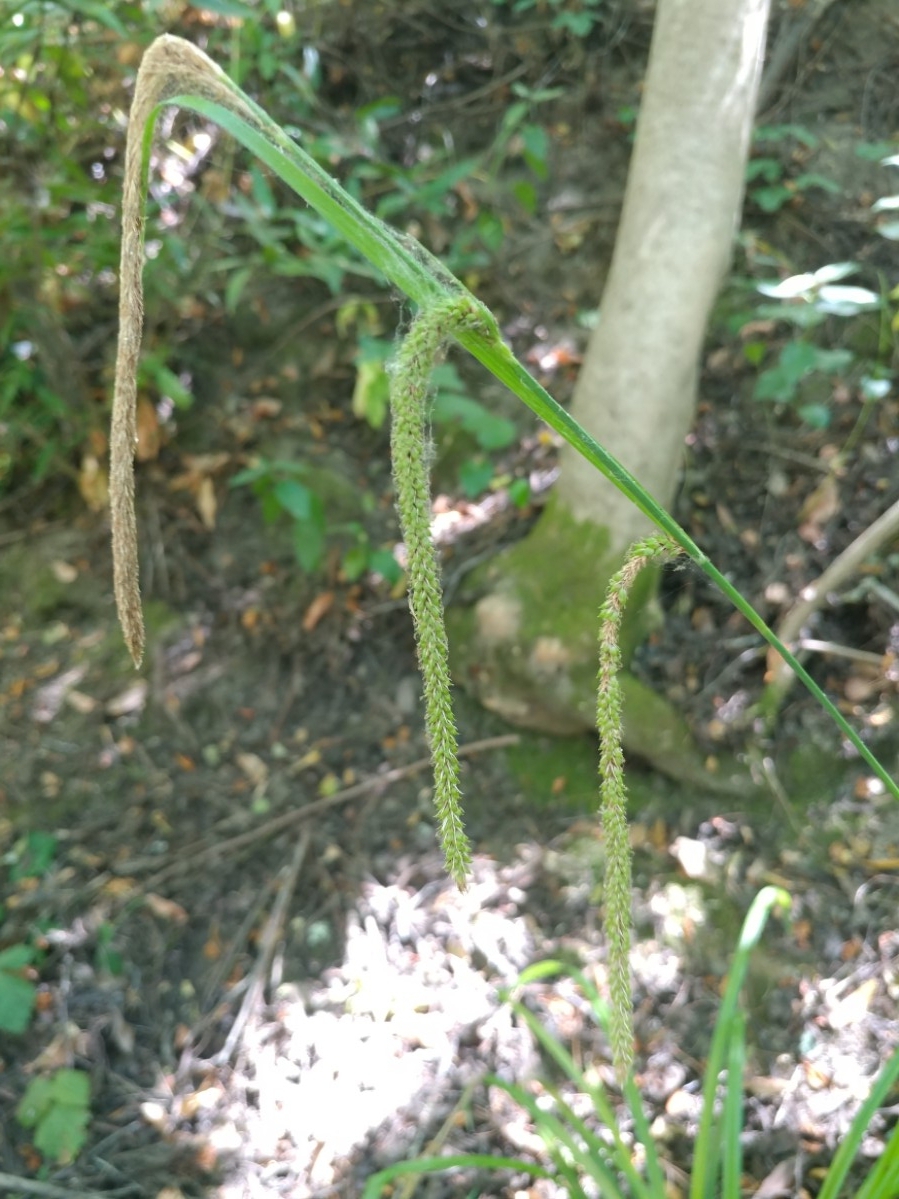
(409, 385)
(613, 795)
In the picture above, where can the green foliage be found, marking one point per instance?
(280, 489)
(795, 362)
(454, 406)
(57, 1109)
(446, 310)
(519, 135)
(32, 855)
(61, 100)
(769, 184)
(283, 490)
(451, 410)
(576, 17)
(593, 1156)
(17, 991)
(437, 293)
(33, 417)
(108, 959)
(889, 227)
(808, 301)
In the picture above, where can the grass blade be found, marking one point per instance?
(706, 1151)
(849, 1146)
(375, 1185)
(732, 1116)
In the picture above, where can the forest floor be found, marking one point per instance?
(229, 857)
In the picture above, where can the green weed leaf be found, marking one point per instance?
(475, 475)
(309, 539)
(58, 1109)
(295, 498)
(453, 406)
(17, 993)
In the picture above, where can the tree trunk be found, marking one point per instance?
(527, 648)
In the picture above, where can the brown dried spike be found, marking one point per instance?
(170, 65)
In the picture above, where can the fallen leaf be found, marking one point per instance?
(266, 408)
(212, 950)
(50, 698)
(693, 858)
(71, 1040)
(132, 699)
(780, 1183)
(84, 704)
(317, 609)
(253, 767)
(820, 507)
(816, 1077)
(207, 505)
(65, 572)
(149, 434)
(165, 909)
(765, 1087)
(851, 1009)
(93, 483)
(118, 888)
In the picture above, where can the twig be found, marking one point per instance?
(863, 656)
(815, 595)
(793, 32)
(199, 851)
(260, 970)
(408, 1186)
(32, 1186)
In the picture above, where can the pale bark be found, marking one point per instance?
(636, 391)
(527, 648)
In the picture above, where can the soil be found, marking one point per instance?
(247, 937)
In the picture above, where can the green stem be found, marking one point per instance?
(425, 280)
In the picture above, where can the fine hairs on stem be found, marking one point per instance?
(613, 794)
(169, 65)
(409, 383)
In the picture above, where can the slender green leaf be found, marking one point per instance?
(425, 280)
(851, 1142)
(375, 1185)
(705, 1154)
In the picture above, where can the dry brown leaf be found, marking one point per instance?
(763, 1086)
(266, 408)
(317, 609)
(118, 888)
(212, 950)
(149, 433)
(70, 1041)
(207, 505)
(253, 767)
(312, 757)
(165, 909)
(132, 699)
(93, 483)
(64, 572)
(84, 704)
(820, 507)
